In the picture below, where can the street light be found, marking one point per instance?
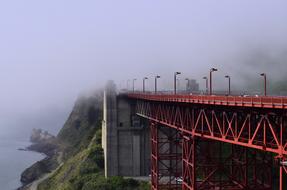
(128, 84)
(134, 84)
(177, 84)
(155, 83)
(187, 84)
(144, 84)
(265, 90)
(175, 74)
(228, 77)
(210, 80)
(206, 84)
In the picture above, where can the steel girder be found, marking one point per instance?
(213, 165)
(261, 129)
(166, 157)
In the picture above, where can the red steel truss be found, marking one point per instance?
(165, 158)
(207, 166)
(242, 124)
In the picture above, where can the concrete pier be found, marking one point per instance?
(125, 137)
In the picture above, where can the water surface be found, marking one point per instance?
(13, 162)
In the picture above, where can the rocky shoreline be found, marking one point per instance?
(42, 142)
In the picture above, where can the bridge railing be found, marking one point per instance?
(250, 101)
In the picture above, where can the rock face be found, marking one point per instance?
(81, 124)
(75, 136)
(48, 148)
(79, 144)
(80, 140)
(43, 142)
(47, 144)
(38, 136)
(33, 173)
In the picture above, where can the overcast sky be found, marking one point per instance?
(51, 51)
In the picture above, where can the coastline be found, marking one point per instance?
(34, 184)
(40, 170)
(13, 161)
(30, 185)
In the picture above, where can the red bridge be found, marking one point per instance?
(216, 142)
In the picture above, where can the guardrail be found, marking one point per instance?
(250, 101)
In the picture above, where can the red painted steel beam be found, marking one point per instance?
(260, 125)
(166, 158)
(188, 163)
(256, 130)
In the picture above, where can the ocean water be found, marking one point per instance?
(13, 162)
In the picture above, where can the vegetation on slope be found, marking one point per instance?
(83, 163)
(81, 125)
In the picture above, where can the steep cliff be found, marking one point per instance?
(82, 155)
(81, 126)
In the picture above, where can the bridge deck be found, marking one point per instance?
(256, 102)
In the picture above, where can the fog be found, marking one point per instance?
(52, 51)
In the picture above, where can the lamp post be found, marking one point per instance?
(134, 84)
(144, 84)
(228, 77)
(265, 90)
(210, 79)
(206, 84)
(155, 83)
(128, 84)
(177, 84)
(175, 74)
(187, 84)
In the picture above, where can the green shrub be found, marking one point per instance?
(96, 154)
(99, 137)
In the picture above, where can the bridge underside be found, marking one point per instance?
(206, 147)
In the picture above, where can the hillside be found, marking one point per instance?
(81, 126)
(82, 155)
